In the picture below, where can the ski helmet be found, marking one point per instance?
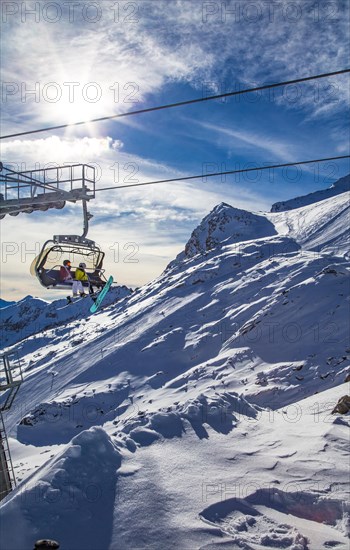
(82, 265)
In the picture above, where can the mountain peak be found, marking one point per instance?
(220, 208)
(226, 224)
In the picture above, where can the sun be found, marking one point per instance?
(68, 108)
(80, 110)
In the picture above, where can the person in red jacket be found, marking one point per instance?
(65, 272)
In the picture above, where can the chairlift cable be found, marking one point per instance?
(224, 173)
(179, 103)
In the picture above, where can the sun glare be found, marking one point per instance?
(80, 110)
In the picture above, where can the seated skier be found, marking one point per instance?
(80, 277)
(65, 273)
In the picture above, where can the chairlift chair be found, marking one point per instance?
(77, 249)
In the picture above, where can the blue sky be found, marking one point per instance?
(98, 58)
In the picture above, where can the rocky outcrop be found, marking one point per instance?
(343, 405)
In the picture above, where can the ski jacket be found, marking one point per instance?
(65, 274)
(80, 275)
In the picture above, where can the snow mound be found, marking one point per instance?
(221, 414)
(340, 186)
(81, 484)
(225, 224)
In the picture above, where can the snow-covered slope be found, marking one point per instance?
(322, 227)
(196, 412)
(340, 186)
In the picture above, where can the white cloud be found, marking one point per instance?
(240, 139)
(54, 149)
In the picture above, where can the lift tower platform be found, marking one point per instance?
(31, 190)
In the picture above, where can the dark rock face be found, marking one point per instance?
(343, 405)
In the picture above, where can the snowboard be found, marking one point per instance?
(101, 295)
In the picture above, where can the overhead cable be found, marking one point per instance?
(224, 173)
(178, 104)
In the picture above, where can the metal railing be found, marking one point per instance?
(67, 179)
(7, 473)
(10, 379)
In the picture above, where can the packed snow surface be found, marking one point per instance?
(195, 412)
